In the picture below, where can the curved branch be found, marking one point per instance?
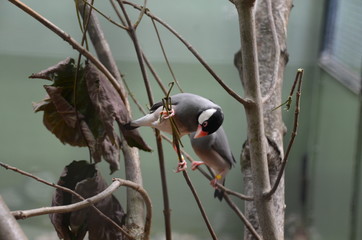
(196, 54)
(146, 199)
(22, 214)
(298, 79)
(6, 166)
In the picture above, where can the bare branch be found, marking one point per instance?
(298, 79)
(199, 204)
(242, 217)
(196, 54)
(6, 166)
(66, 37)
(22, 214)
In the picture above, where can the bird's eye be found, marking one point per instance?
(204, 124)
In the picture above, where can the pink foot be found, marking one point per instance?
(214, 183)
(181, 166)
(167, 114)
(195, 164)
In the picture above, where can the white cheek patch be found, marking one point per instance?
(205, 115)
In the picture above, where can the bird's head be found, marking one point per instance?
(209, 121)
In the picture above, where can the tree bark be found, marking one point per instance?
(261, 163)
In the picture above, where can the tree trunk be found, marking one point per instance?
(266, 215)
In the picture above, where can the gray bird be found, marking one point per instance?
(214, 151)
(192, 114)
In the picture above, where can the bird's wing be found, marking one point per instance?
(155, 106)
(222, 147)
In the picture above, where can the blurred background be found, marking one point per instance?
(324, 38)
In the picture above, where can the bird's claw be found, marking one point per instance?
(196, 164)
(167, 114)
(181, 166)
(214, 183)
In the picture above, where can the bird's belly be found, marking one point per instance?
(164, 125)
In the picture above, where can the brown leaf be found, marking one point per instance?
(51, 71)
(110, 107)
(60, 118)
(86, 180)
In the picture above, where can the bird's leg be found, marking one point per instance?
(182, 165)
(167, 114)
(217, 178)
(195, 164)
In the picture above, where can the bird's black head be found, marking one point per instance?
(209, 121)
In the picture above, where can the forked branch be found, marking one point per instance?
(298, 80)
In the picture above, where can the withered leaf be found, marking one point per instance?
(110, 107)
(81, 108)
(86, 180)
(51, 72)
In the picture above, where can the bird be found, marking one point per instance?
(192, 114)
(215, 152)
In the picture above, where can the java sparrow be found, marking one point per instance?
(192, 114)
(214, 151)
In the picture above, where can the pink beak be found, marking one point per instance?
(199, 133)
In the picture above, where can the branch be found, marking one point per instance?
(22, 214)
(9, 228)
(66, 37)
(242, 217)
(6, 166)
(199, 204)
(255, 120)
(135, 207)
(140, 57)
(298, 79)
(243, 101)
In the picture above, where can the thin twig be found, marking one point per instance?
(247, 224)
(176, 142)
(154, 74)
(103, 15)
(196, 54)
(298, 79)
(142, 13)
(201, 208)
(66, 37)
(165, 55)
(6, 166)
(134, 38)
(140, 55)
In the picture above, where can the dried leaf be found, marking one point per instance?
(90, 123)
(51, 72)
(110, 107)
(86, 180)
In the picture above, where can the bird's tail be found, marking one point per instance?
(219, 193)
